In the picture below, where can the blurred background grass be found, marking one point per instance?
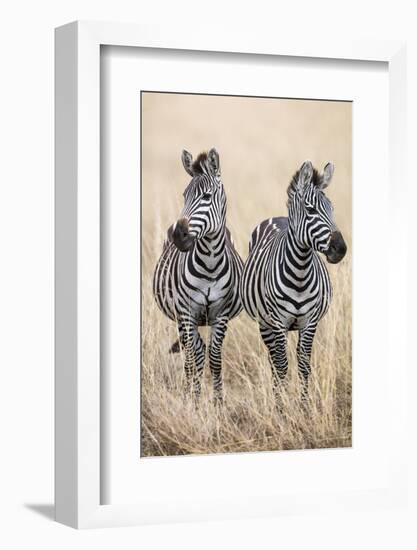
(261, 143)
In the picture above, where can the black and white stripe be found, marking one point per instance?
(285, 284)
(197, 277)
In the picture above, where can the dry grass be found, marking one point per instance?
(248, 420)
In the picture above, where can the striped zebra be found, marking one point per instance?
(196, 280)
(285, 284)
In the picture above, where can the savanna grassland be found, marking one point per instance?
(261, 143)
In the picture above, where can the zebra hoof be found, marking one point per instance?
(279, 407)
(218, 401)
(305, 403)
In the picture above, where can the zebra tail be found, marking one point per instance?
(175, 348)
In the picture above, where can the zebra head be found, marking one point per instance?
(310, 212)
(204, 211)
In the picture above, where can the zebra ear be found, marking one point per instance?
(327, 175)
(214, 161)
(305, 176)
(187, 161)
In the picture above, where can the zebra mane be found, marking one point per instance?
(316, 180)
(197, 167)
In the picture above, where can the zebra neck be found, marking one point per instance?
(296, 255)
(213, 245)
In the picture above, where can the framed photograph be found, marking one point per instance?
(189, 291)
(226, 314)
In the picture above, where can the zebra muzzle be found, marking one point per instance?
(337, 248)
(181, 235)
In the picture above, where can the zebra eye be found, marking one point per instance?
(207, 196)
(310, 210)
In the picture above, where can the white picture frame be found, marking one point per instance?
(77, 422)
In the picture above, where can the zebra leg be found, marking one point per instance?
(304, 347)
(218, 332)
(276, 342)
(194, 352)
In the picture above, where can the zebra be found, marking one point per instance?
(196, 279)
(285, 284)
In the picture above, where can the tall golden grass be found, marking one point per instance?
(257, 164)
